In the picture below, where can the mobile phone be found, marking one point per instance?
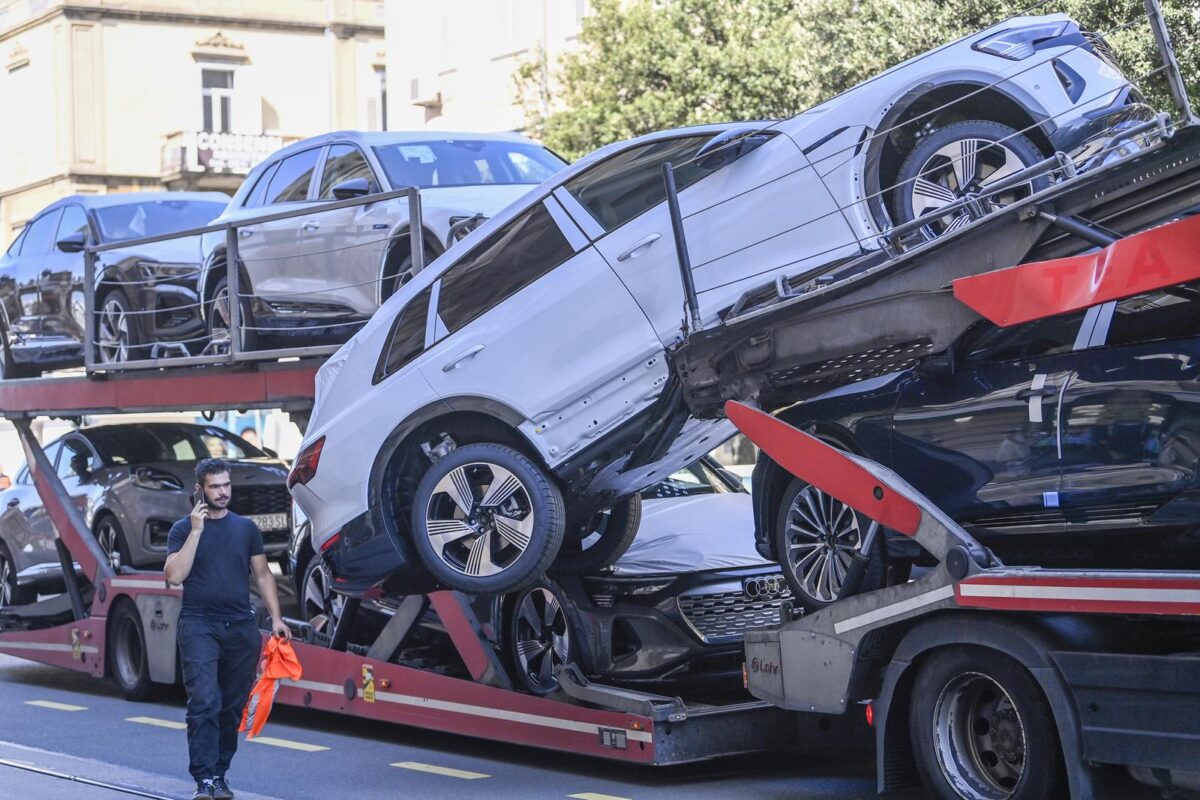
(196, 499)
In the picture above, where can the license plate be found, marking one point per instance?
(269, 522)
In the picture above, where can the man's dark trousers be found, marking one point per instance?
(219, 660)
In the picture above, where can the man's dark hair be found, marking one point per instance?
(210, 466)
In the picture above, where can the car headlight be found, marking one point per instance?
(147, 478)
(1021, 42)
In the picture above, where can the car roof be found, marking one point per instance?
(119, 426)
(379, 138)
(125, 198)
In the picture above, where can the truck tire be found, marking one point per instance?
(128, 661)
(982, 730)
(601, 540)
(486, 519)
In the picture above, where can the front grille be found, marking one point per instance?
(726, 616)
(249, 500)
(1102, 49)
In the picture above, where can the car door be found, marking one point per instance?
(764, 214)
(1131, 412)
(348, 244)
(278, 266)
(983, 443)
(533, 319)
(27, 273)
(10, 301)
(61, 279)
(20, 504)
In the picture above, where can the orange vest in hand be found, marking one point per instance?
(279, 661)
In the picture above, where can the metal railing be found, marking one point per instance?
(234, 264)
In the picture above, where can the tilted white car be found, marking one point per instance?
(517, 391)
(312, 277)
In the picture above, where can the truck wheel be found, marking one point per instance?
(128, 662)
(539, 636)
(982, 730)
(958, 159)
(816, 538)
(601, 540)
(487, 520)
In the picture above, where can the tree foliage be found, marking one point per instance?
(645, 65)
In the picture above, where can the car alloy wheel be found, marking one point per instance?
(821, 539)
(7, 579)
(541, 638)
(109, 539)
(113, 342)
(479, 519)
(219, 317)
(979, 736)
(321, 606)
(961, 168)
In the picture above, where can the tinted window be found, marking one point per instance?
(618, 189)
(502, 265)
(74, 220)
(154, 218)
(345, 162)
(75, 458)
(408, 336)
(289, 184)
(52, 452)
(139, 445)
(14, 249)
(1044, 337)
(259, 193)
(1170, 314)
(39, 237)
(465, 163)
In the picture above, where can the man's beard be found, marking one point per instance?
(219, 503)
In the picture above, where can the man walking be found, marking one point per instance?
(212, 553)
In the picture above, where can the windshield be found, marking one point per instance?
(154, 218)
(696, 478)
(466, 163)
(143, 444)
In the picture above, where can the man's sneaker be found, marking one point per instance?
(220, 789)
(204, 791)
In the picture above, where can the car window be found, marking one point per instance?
(258, 194)
(290, 182)
(1170, 314)
(74, 220)
(694, 479)
(75, 456)
(139, 445)
(345, 162)
(465, 162)
(624, 185)
(503, 264)
(52, 453)
(154, 218)
(23, 477)
(40, 236)
(14, 249)
(987, 343)
(408, 336)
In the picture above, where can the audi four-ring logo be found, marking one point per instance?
(761, 587)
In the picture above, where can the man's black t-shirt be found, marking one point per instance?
(218, 587)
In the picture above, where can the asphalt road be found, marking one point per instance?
(56, 721)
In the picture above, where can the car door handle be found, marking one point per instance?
(464, 358)
(16, 501)
(1045, 391)
(311, 226)
(245, 232)
(637, 249)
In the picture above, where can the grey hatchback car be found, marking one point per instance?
(133, 482)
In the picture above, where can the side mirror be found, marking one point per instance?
(725, 148)
(355, 187)
(73, 243)
(938, 365)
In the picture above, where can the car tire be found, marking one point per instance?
(514, 512)
(10, 593)
(9, 368)
(128, 661)
(601, 540)
(809, 528)
(218, 319)
(111, 538)
(539, 636)
(118, 335)
(981, 729)
(317, 599)
(930, 175)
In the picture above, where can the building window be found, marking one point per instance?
(381, 84)
(217, 91)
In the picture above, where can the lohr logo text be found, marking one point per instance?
(766, 667)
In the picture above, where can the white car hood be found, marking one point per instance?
(486, 200)
(692, 534)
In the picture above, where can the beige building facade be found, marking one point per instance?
(451, 63)
(105, 96)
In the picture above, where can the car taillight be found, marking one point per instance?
(305, 468)
(331, 541)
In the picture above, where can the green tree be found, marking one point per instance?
(645, 65)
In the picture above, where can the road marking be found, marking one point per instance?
(436, 770)
(159, 723)
(54, 705)
(288, 744)
(596, 796)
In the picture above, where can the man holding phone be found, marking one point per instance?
(212, 553)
